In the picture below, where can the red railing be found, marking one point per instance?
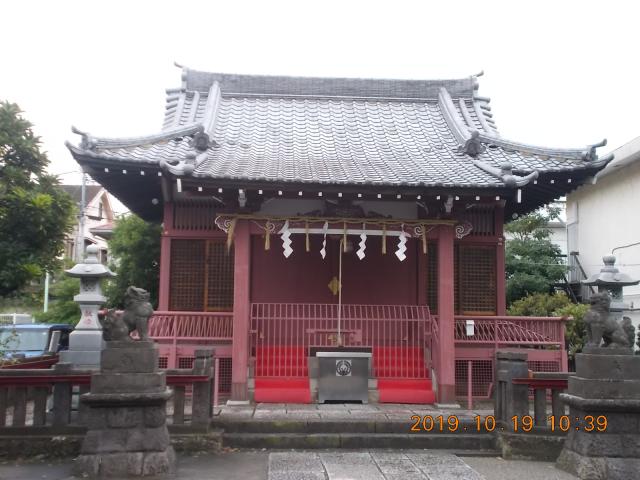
(180, 334)
(190, 326)
(541, 337)
(511, 331)
(25, 395)
(435, 345)
(283, 334)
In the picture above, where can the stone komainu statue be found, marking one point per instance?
(602, 326)
(137, 310)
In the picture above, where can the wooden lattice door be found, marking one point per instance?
(201, 276)
(475, 280)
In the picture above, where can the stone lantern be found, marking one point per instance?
(610, 280)
(604, 393)
(85, 342)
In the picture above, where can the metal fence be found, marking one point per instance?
(283, 335)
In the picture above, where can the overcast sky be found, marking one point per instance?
(559, 73)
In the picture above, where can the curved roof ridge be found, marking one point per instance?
(461, 127)
(90, 142)
(587, 153)
(195, 80)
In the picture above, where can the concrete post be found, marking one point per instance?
(201, 409)
(511, 400)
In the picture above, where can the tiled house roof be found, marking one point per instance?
(355, 132)
(76, 192)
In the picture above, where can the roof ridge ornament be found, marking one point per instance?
(591, 155)
(505, 173)
(87, 142)
(473, 146)
(468, 138)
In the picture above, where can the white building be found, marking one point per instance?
(604, 218)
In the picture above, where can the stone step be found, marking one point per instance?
(477, 442)
(466, 426)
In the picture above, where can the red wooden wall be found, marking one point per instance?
(304, 276)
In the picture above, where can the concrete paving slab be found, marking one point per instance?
(495, 468)
(333, 414)
(332, 407)
(254, 465)
(291, 407)
(297, 476)
(295, 462)
(302, 414)
(271, 414)
(273, 406)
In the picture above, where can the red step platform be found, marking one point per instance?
(281, 375)
(402, 375)
(282, 390)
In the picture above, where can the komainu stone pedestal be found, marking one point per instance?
(127, 432)
(606, 385)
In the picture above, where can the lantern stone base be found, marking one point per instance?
(127, 432)
(606, 386)
(85, 347)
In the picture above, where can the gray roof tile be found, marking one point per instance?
(335, 131)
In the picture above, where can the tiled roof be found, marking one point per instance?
(76, 192)
(336, 131)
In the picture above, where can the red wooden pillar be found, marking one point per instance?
(446, 377)
(501, 276)
(241, 306)
(165, 257)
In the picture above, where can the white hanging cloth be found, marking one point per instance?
(402, 245)
(286, 240)
(363, 243)
(323, 250)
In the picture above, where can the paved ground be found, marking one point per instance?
(323, 465)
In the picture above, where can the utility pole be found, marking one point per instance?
(46, 292)
(80, 240)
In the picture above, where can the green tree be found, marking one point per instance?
(35, 214)
(62, 307)
(556, 305)
(135, 250)
(575, 332)
(539, 305)
(533, 263)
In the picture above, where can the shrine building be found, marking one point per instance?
(302, 214)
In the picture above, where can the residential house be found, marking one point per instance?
(98, 220)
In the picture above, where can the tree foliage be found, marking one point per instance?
(35, 214)
(556, 305)
(135, 250)
(533, 262)
(539, 305)
(62, 307)
(575, 332)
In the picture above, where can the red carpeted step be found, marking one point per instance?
(282, 390)
(281, 361)
(405, 391)
(399, 362)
